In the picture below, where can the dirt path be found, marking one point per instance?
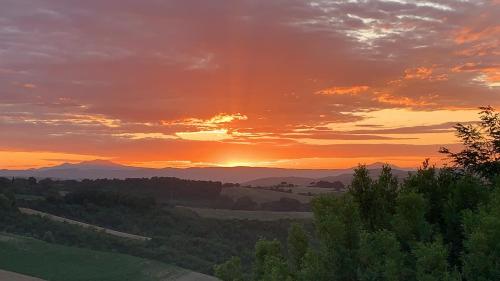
(12, 276)
(85, 225)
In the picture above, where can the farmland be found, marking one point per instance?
(61, 263)
(262, 195)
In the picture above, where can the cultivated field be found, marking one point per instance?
(262, 195)
(85, 225)
(54, 262)
(247, 215)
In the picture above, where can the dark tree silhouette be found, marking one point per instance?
(481, 153)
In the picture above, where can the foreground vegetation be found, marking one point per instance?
(438, 224)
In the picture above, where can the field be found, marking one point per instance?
(61, 263)
(247, 215)
(262, 195)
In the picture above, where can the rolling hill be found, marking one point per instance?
(54, 262)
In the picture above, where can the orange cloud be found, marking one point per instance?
(29, 86)
(354, 90)
(212, 135)
(213, 122)
(404, 101)
(424, 73)
(467, 34)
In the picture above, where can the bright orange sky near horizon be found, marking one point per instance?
(295, 84)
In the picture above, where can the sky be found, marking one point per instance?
(274, 83)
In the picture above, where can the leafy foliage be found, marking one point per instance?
(298, 243)
(481, 154)
(482, 246)
(381, 257)
(230, 270)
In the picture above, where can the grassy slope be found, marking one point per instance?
(262, 195)
(60, 263)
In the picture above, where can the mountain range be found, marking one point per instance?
(261, 176)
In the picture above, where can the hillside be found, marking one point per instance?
(61, 263)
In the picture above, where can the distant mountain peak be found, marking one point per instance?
(100, 162)
(378, 165)
(91, 164)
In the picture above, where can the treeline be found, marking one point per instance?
(142, 193)
(438, 224)
(163, 189)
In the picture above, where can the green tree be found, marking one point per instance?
(433, 186)
(266, 253)
(409, 222)
(482, 244)
(314, 267)
(275, 269)
(431, 263)
(338, 226)
(381, 258)
(230, 270)
(361, 191)
(297, 247)
(481, 153)
(376, 199)
(385, 194)
(466, 194)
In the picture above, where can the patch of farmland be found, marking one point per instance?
(247, 215)
(54, 262)
(262, 195)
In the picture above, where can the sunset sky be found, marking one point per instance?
(285, 83)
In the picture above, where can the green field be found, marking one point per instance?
(262, 195)
(60, 263)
